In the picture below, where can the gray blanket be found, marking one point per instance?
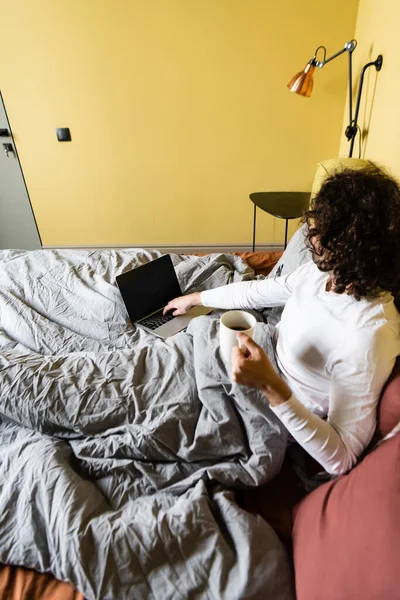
(119, 451)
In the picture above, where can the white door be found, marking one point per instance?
(17, 222)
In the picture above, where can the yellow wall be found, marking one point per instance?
(178, 109)
(377, 32)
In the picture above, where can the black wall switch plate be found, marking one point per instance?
(63, 134)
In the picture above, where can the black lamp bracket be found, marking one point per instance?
(351, 130)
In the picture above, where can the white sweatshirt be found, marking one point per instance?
(334, 352)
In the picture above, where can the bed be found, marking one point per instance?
(121, 454)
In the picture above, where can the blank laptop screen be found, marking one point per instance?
(149, 287)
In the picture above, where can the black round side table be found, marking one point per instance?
(284, 205)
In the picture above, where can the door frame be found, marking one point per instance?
(20, 167)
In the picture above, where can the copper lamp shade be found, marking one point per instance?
(302, 83)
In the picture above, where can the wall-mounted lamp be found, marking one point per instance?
(302, 83)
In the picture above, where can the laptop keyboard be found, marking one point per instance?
(156, 320)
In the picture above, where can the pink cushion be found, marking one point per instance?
(389, 406)
(346, 535)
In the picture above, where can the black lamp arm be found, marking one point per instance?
(351, 130)
(348, 47)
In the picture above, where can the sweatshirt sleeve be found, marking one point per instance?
(356, 383)
(318, 437)
(260, 293)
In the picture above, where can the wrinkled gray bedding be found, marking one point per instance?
(119, 451)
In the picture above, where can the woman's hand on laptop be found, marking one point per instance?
(183, 304)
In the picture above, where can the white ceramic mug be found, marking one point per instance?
(230, 324)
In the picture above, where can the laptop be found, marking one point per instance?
(147, 289)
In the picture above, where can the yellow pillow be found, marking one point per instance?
(327, 167)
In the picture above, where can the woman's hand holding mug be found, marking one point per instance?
(252, 367)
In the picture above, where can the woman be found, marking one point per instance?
(339, 334)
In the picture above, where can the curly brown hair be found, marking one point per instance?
(354, 231)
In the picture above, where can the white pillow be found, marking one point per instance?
(295, 254)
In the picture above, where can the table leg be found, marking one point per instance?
(286, 229)
(254, 228)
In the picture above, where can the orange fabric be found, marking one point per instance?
(346, 534)
(18, 583)
(261, 262)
